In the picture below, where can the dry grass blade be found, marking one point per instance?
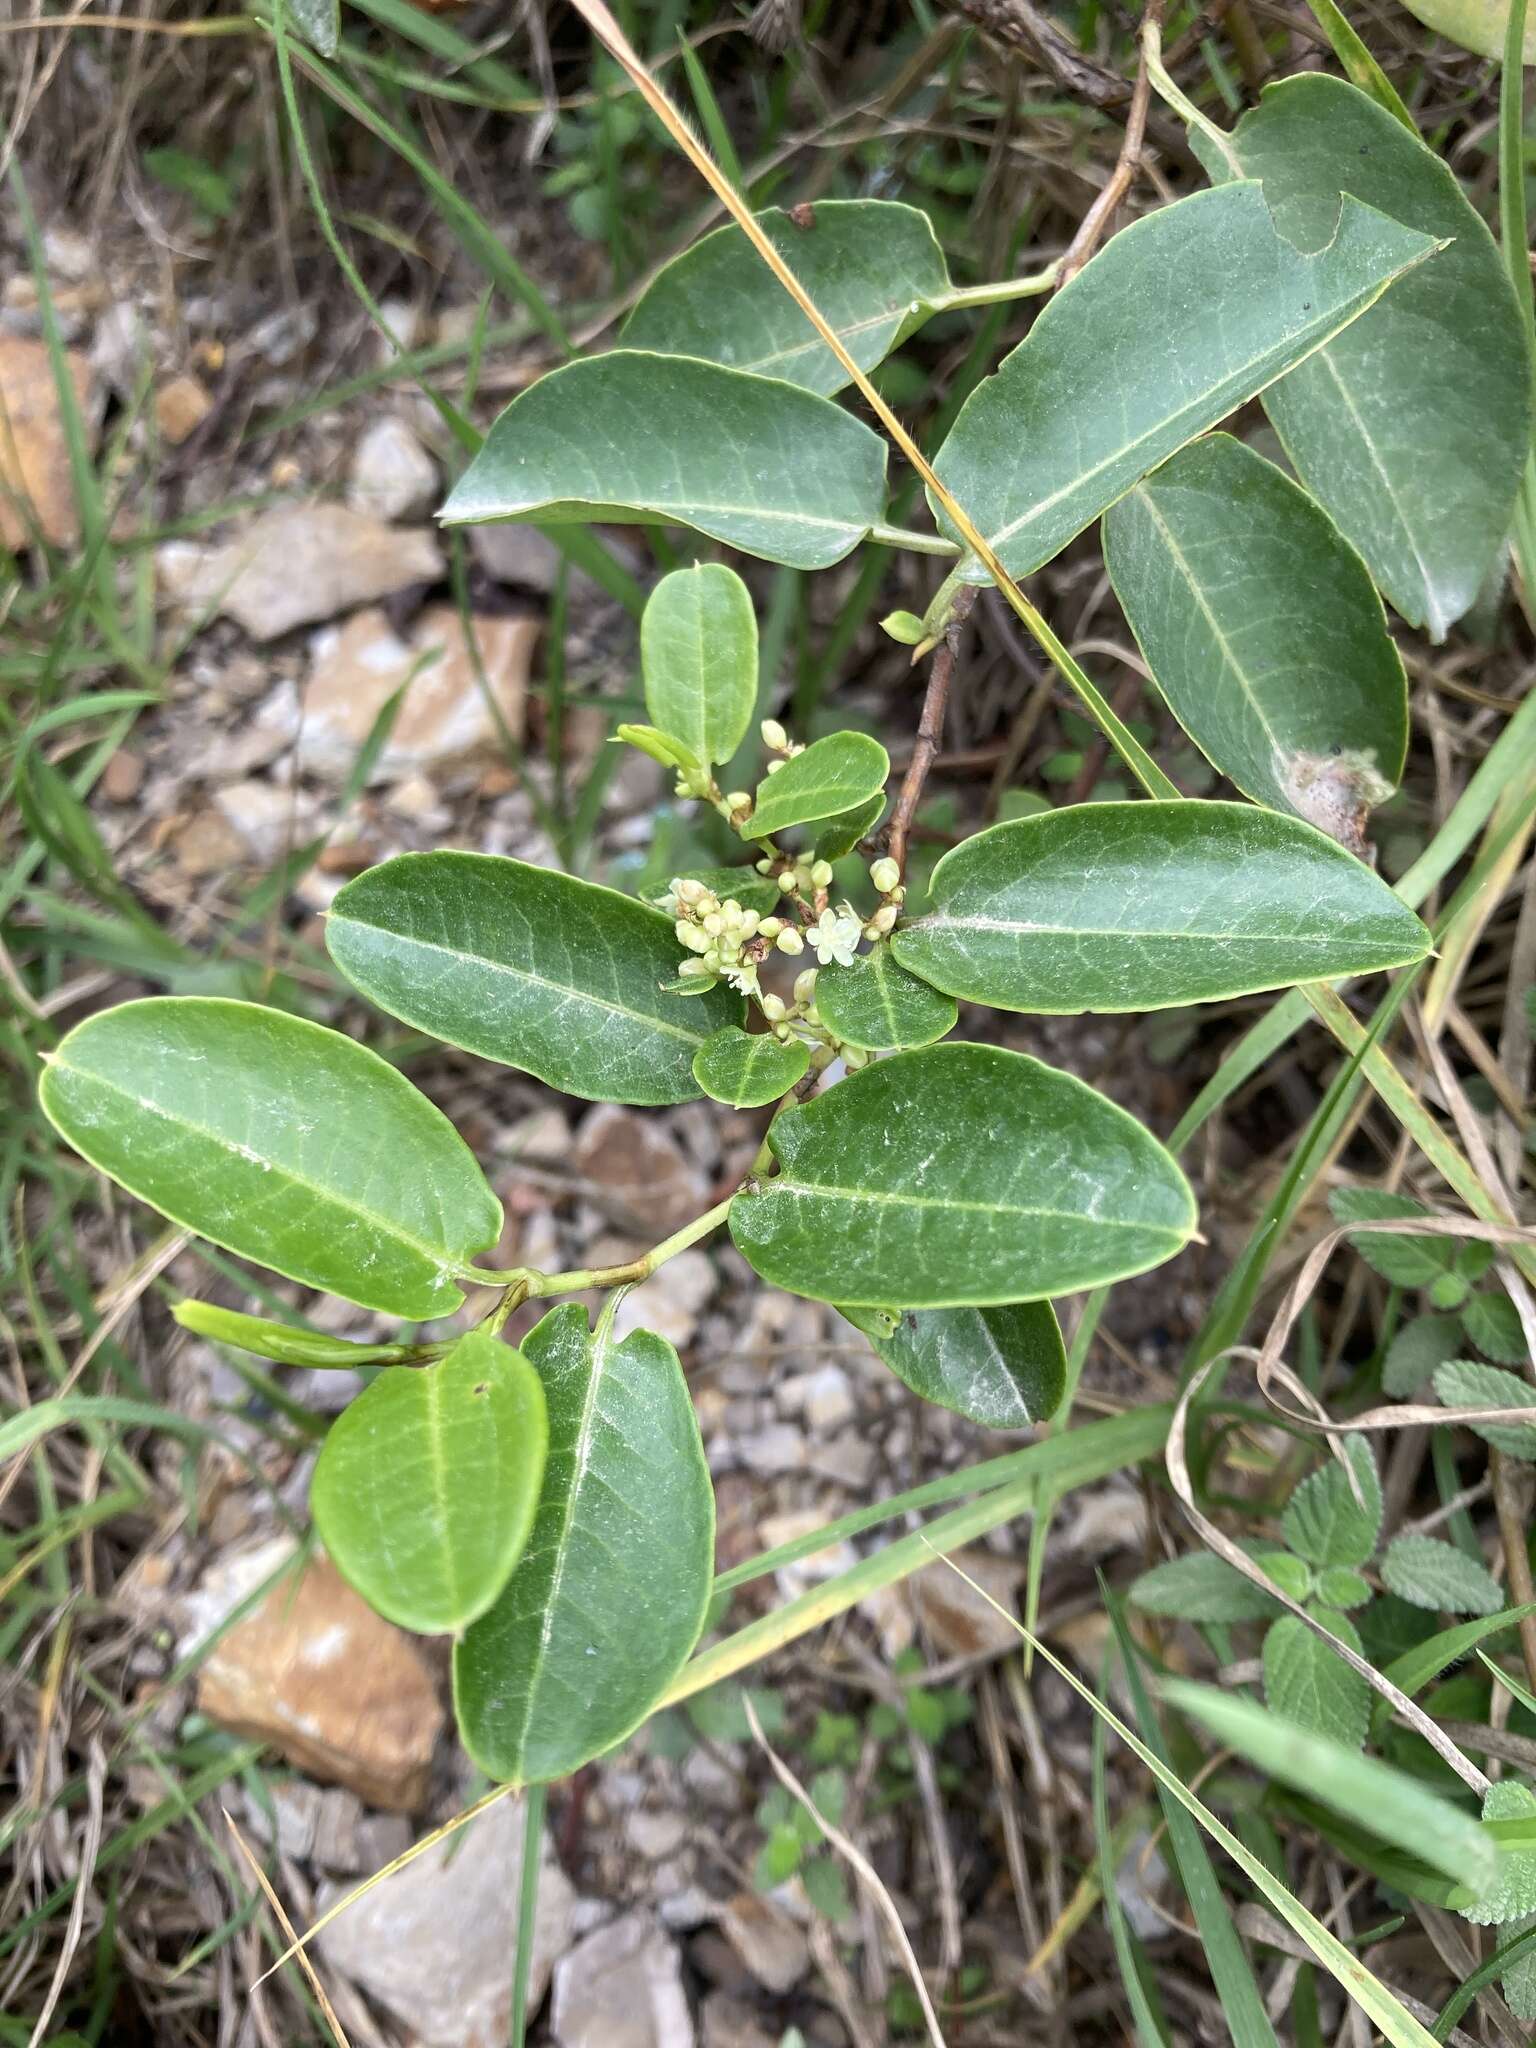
(95, 1780)
(287, 1926)
(852, 1854)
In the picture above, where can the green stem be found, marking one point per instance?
(529, 1285)
(914, 543)
(1000, 292)
(1182, 105)
(527, 1911)
(1121, 738)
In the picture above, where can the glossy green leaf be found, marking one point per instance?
(610, 1594)
(698, 654)
(1202, 1587)
(1411, 426)
(1005, 1368)
(750, 461)
(664, 748)
(283, 1342)
(1142, 906)
(878, 1005)
(747, 1069)
(840, 835)
(831, 776)
(279, 1140)
(1468, 1383)
(1388, 1802)
(872, 267)
(1428, 1573)
(960, 1176)
(425, 1488)
(531, 968)
(1264, 633)
(1311, 1685)
(1126, 364)
(1334, 1516)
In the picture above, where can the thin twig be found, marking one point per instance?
(297, 1947)
(1513, 1516)
(930, 727)
(1096, 220)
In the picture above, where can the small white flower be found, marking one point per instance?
(741, 974)
(835, 936)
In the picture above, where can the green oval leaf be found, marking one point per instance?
(535, 969)
(425, 1488)
(840, 835)
(872, 267)
(1202, 1587)
(878, 1005)
(1468, 1383)
(1264, 633)
(283, 1342)
(698, 654)
(279, 1140)
(747, 1069)
(610, 1594)
(829, 777)
(1411, 426)
(960, 1176)
(1143, 906)
(1331, 1520)
(1005, 1368)
(1428, 1573)
(769, 469)
(1312, 1685)
(1126, 364)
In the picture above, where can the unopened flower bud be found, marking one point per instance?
(765, 865)
(805, 985)
(821, 874)
(695, 940)
(714, 924)
(885, 875)
(775, 766)
(789, 941)
(773, 1009)
(689, 891)
(854, 1057)
(786, 885)
(739, 800)
(774, 735)
(770, 927)
(695, 967)
(882, 921)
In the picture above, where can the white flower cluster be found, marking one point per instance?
(724, 941)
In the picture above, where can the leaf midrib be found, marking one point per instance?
(439, 1256)
(526, 974)
(787, 1184)
(942, 920)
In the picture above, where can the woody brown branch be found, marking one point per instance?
(930, 726)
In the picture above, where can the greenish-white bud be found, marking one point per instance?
(789, 941)
(882, 921)
(773, 1008)
(770, 927)
(739, 800)
(774, 735)
(805, 986)
(821, 874)
(714, 923)
(885, 875)
(787, 885)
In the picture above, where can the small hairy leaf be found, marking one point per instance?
(1264, 633)
(1311, 1685)
(1411, 425)
(1144, 906)
(1126, 364)
(279, 1140)
(1202, 1587)
(609, 1596)
(830, 777)
(426, 1485)
(872, 267)
(1416, 1350)
(1406, 1261)
(1338, 1586)
(1512, 1890)
(753, 462)
(1324, 1521)
(1428, 1573)
(747, 1069)
(878, 1005)
(1468, 1383)
(1005, 1368)
(698, 655)
(535, 969)
(1493, 1323)
(960, 1175)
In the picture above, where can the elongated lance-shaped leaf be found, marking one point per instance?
(759, 464)
(1138, 906)
(829, 777)
(279, 1140)
(1126, 364)
(747, 1069)
(878, 1005)
(1264, 633)
(698, 654)
(873, 268)
(426, 1485)
(1005, 1368)
(608, 1598)
(1411, 426)
(958, 1176)
(535, 969)
(284, 1342)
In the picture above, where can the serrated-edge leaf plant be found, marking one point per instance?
(549, 1504)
